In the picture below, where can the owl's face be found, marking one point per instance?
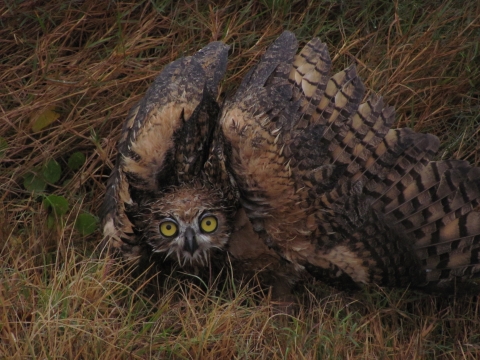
(187, 222)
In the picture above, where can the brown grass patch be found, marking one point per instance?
(91, 61)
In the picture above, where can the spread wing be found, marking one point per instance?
(327, 182)
(165, 139)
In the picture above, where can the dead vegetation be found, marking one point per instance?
(88, 62)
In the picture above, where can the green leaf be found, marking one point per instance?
(52, 171)
(3, 146)
(58, 204)
(86, 224)
(51, 221)
(33, 182)
(44, 119)
(76, 160)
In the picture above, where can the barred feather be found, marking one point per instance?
(328, 184)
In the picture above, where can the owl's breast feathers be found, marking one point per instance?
(327, 182)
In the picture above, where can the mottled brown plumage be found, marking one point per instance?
(333, 189)
(167, 194)
(327, 184)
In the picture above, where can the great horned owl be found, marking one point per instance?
(333, 189)
(167, 193)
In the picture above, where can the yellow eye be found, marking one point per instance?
(209, 224)
(168, 228)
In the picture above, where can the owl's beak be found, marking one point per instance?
(190, 243)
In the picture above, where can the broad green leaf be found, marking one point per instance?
(52, 171)
(45, 118)
(86, 224)
(58, 204)
(3, 146)
(33, 182)
(76, 160)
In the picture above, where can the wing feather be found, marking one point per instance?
(327, 182)
(165, 138)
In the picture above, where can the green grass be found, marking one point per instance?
(91, 61)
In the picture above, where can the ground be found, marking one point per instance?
(70, 71)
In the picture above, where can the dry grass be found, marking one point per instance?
(90, 61)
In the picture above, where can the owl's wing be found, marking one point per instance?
(165, 139)
(326, 181)
(252, 122)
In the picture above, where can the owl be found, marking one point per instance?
(334, 190)
(169, 195)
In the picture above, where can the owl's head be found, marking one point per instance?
(187, 222)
